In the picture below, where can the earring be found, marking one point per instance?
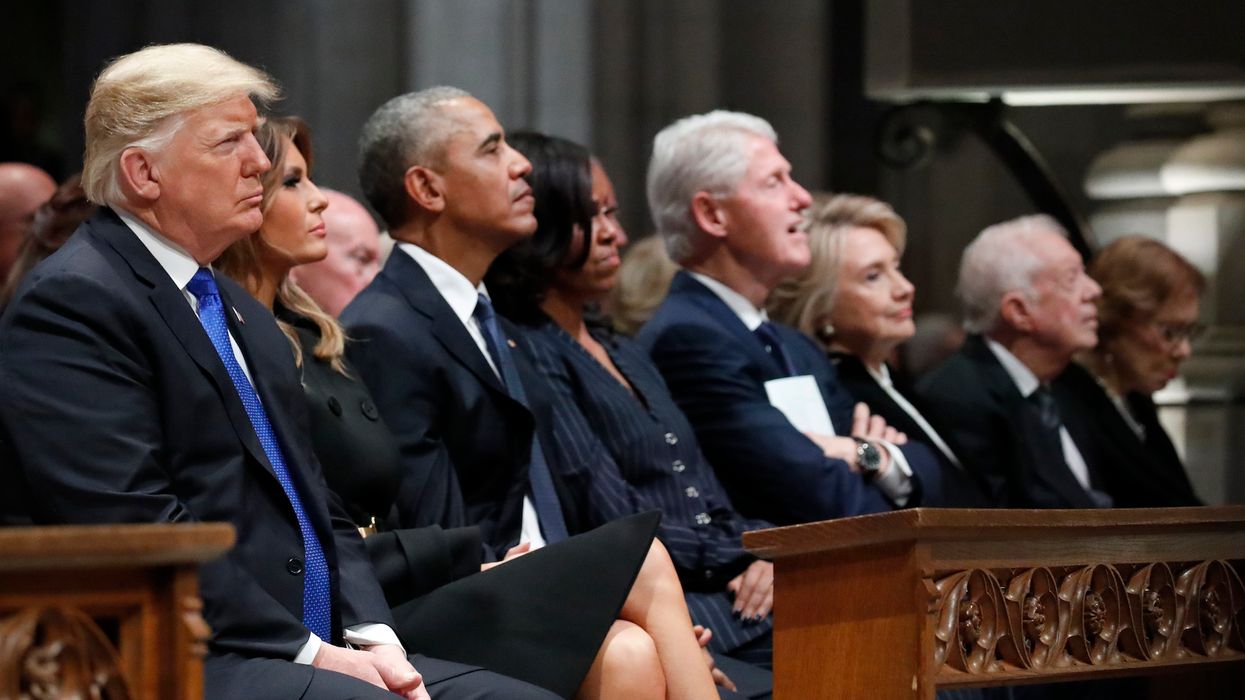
(827, 331)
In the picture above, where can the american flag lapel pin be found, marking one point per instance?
(238, 314)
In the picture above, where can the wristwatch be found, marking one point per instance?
(867, 458)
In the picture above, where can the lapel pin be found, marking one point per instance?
(239, 315)
(510, 342)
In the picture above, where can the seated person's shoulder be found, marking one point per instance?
(371, 303)
(1077, 378)
(955, 382)
(677, 323)
(74, 279)
(801, 342)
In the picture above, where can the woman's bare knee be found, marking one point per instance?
(657, 574)
(627, 666)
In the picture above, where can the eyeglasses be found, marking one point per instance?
(1175, 333)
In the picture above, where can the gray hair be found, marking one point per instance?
(700, 153)
(1002, 258)
(141, 99)
(407, 130)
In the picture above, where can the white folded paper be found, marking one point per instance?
(800, 401)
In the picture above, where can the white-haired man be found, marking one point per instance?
(176, 391)
(723, 198)
(353, 255)
(1028, 307)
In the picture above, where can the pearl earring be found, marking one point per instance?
(827, 330)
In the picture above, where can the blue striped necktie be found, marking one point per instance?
(544, 496)
(317, 600)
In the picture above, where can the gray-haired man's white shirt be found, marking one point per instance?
(1027, 383)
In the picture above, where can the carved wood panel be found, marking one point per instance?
(991, 622)
(58, 652)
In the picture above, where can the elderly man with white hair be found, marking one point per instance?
(1028, 308)
(141, 387)
(724, 201)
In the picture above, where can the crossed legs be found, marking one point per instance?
(651, 651)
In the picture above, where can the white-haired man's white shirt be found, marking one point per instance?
(1027, 383)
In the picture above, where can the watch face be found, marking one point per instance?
(867, 458)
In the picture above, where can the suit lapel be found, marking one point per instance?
(995, 378)
(423, 296)
(863, 387)
(182, 321)
(703, 298)
(178, 315)
(1047, 462)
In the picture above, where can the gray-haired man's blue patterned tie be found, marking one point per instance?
(317, 601)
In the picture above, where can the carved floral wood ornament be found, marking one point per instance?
(55, 652)
(996, 621)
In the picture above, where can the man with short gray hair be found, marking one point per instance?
(724, 201)
(453, 193)
(1028, 308)
(141, 387)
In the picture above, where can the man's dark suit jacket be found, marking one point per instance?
(975, 406)
(118, 410)
(959, 487)
(465, 443)
(1136, 472)
(716, 370)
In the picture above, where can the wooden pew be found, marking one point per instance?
(105, 611)
(897, 605)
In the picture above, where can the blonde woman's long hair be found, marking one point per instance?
(241, 260)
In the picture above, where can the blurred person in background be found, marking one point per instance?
(643, 280)
(23, 189)
(937, 337)
(50, 227)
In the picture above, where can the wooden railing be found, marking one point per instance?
(899, 604)
(109, 612)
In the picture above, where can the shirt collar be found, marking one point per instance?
(1024, 378)
(882, 376)
(751, 316)
(174, 259)
(453, 286)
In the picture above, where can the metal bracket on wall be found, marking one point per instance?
(909, 136)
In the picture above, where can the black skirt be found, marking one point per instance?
(540, 618)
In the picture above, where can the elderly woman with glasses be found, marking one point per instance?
(1147, 321)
